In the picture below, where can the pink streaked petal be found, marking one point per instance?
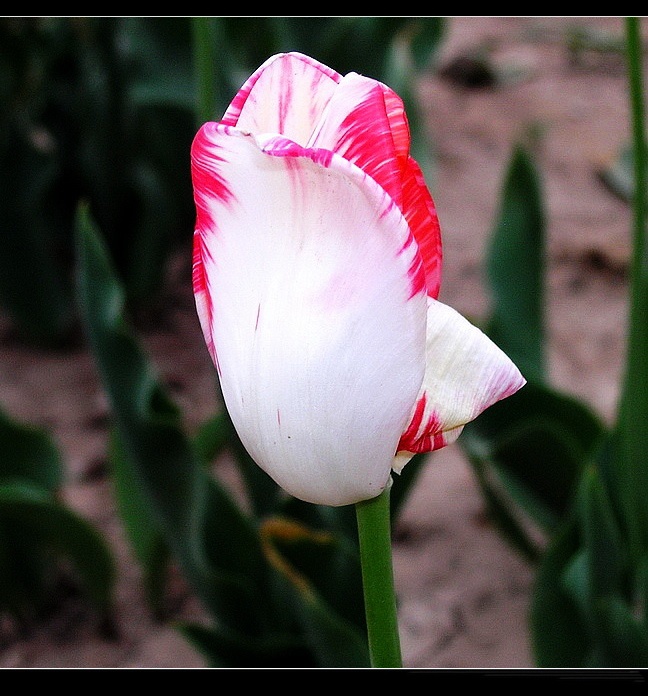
(201, 293)
(283, 147)
(320, 340)
(209, 186)
(357, 125)
(465, 374)
(286, 95)
(420, 212)
(365, 122)
(398, 125)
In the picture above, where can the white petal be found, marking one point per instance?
(286, 95)
(316, 309)
(465, 374)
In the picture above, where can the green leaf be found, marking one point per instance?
(504, 513)
(642, 587)
(583, 581)
(264, 494)
(335, 642)
(214, 542)
(625, 637)
(146, 539)
(516, 266)
(539, 462)
(29, 453)
(25, 505)
(322, 561)
(317, 576)
(27, 570)
(632, 463)
(606, 552)
(537, 401)
(322, 575)
(536, 443)
(558, 635)
(222, 648)
(149, 248)
(157, 51)
(32, 287)
(213, 436)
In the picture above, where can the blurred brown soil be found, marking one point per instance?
(463, 593)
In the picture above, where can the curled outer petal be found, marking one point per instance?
(312, 298)
(286, 95)
(465, 374)
(365, 122)
(357, 117)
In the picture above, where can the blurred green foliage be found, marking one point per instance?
(41, 538)
(565, 489)
(89, 114)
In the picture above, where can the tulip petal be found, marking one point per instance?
(420, 212)
(286, 95)
(365, 122)
(311, 295)
(356, 125)
(465, 374)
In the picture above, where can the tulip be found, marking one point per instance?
(316, 273)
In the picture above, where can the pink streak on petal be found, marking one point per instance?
(416, 270)
(279, 146)
(356, 125)
(368, 144)
(283, 147)
(233, 112)
(209, 184)
(296, 87)
(422, 436)
(417, 204)
(365, 122)
(398, 126)
(420, 212)
(204, 304)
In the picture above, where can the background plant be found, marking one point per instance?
(43, 543)
(546, 463)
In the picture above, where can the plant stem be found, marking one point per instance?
(204, 61)
(374, 534)
(634, 400)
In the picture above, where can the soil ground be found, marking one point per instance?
(463, 593)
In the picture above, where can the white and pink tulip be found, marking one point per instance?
(316, 272)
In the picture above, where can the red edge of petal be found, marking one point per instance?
(419, 210)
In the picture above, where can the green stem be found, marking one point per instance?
(633, 413)
(204, 62)
(374, 534)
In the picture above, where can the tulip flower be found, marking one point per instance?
(316, 273)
